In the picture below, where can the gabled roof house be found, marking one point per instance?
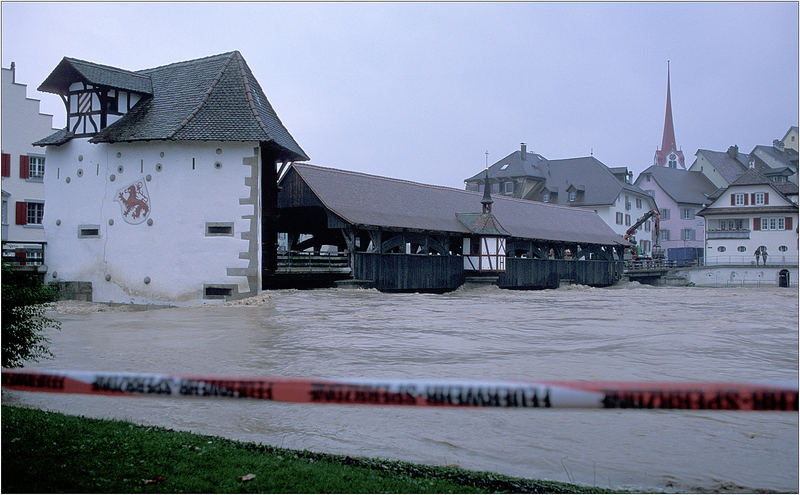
(583, 182)
(680, 194)
(752, 217)
(161, 185)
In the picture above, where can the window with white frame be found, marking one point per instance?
(738, 199)
(638, 202)
(759, 198)
(573, 195)
(546, 197)
(647, 226)
(35, 213)
(687, 213)
(687, 234)
(773, 223)
(35, 167)
(731, 224)
(509, 187)
(619, 218)
(664, 234)
(664, 213)
(627, 219)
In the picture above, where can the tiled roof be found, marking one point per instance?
(600, 185)
(99, 75)
(362, 199)
(514, 166)
(775, 158)
(683, 186)
(728, 167)
(588, 174)
(482, 224)
(787, 188)
(209, 99)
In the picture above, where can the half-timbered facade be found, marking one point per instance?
(162, 185)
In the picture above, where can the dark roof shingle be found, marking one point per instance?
(683, 186)
(215, 98)
(362, 199)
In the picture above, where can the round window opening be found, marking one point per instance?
(721, 249)
(783, 249)
(741, 249)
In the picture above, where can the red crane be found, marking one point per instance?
(658, 253)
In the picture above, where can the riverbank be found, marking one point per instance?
(46, 452)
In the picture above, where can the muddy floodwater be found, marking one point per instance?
(627, 332)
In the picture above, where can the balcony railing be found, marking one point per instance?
(772, 260)
(23, 254)
(728, 234)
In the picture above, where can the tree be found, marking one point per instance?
(24, 303)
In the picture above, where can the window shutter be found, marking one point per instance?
(766, 198)
(24, 166)
(788, 223)
(745, 199)
(733, 200)
(22, 213)
(6, 165)
(756, 224)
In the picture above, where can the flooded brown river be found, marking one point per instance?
(628, 332)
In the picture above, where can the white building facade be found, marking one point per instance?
(750, 218)
(23, 172)
(168, 200)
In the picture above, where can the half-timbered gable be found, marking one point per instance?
(95, 95)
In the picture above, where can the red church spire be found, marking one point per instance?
(669, 154)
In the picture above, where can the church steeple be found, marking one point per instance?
(669, 155)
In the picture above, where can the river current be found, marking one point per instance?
(626, 332)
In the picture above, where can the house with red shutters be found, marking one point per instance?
(752, 216)
(23, 168)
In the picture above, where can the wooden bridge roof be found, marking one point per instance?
(369, 200)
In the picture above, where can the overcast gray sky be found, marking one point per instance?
(421, 91)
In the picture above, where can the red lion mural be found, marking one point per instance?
(135, 202)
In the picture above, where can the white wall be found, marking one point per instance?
(82, 184)
(22, 124)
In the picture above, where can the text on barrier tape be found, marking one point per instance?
(416, 392)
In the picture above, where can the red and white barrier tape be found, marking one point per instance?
(415, 392)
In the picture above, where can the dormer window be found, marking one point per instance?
(546, 197)
(573, 195)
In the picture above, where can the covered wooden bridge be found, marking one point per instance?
(398, 235)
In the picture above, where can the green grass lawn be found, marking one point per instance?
(52, 452)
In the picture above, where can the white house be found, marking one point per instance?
(162, 187)
(23, 170)
(751, 216)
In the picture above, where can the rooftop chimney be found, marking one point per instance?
(733, 151)
(523, 151)
(777, 144)
(13, 72)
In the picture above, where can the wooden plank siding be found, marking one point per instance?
(528, 273)
(409, 272)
